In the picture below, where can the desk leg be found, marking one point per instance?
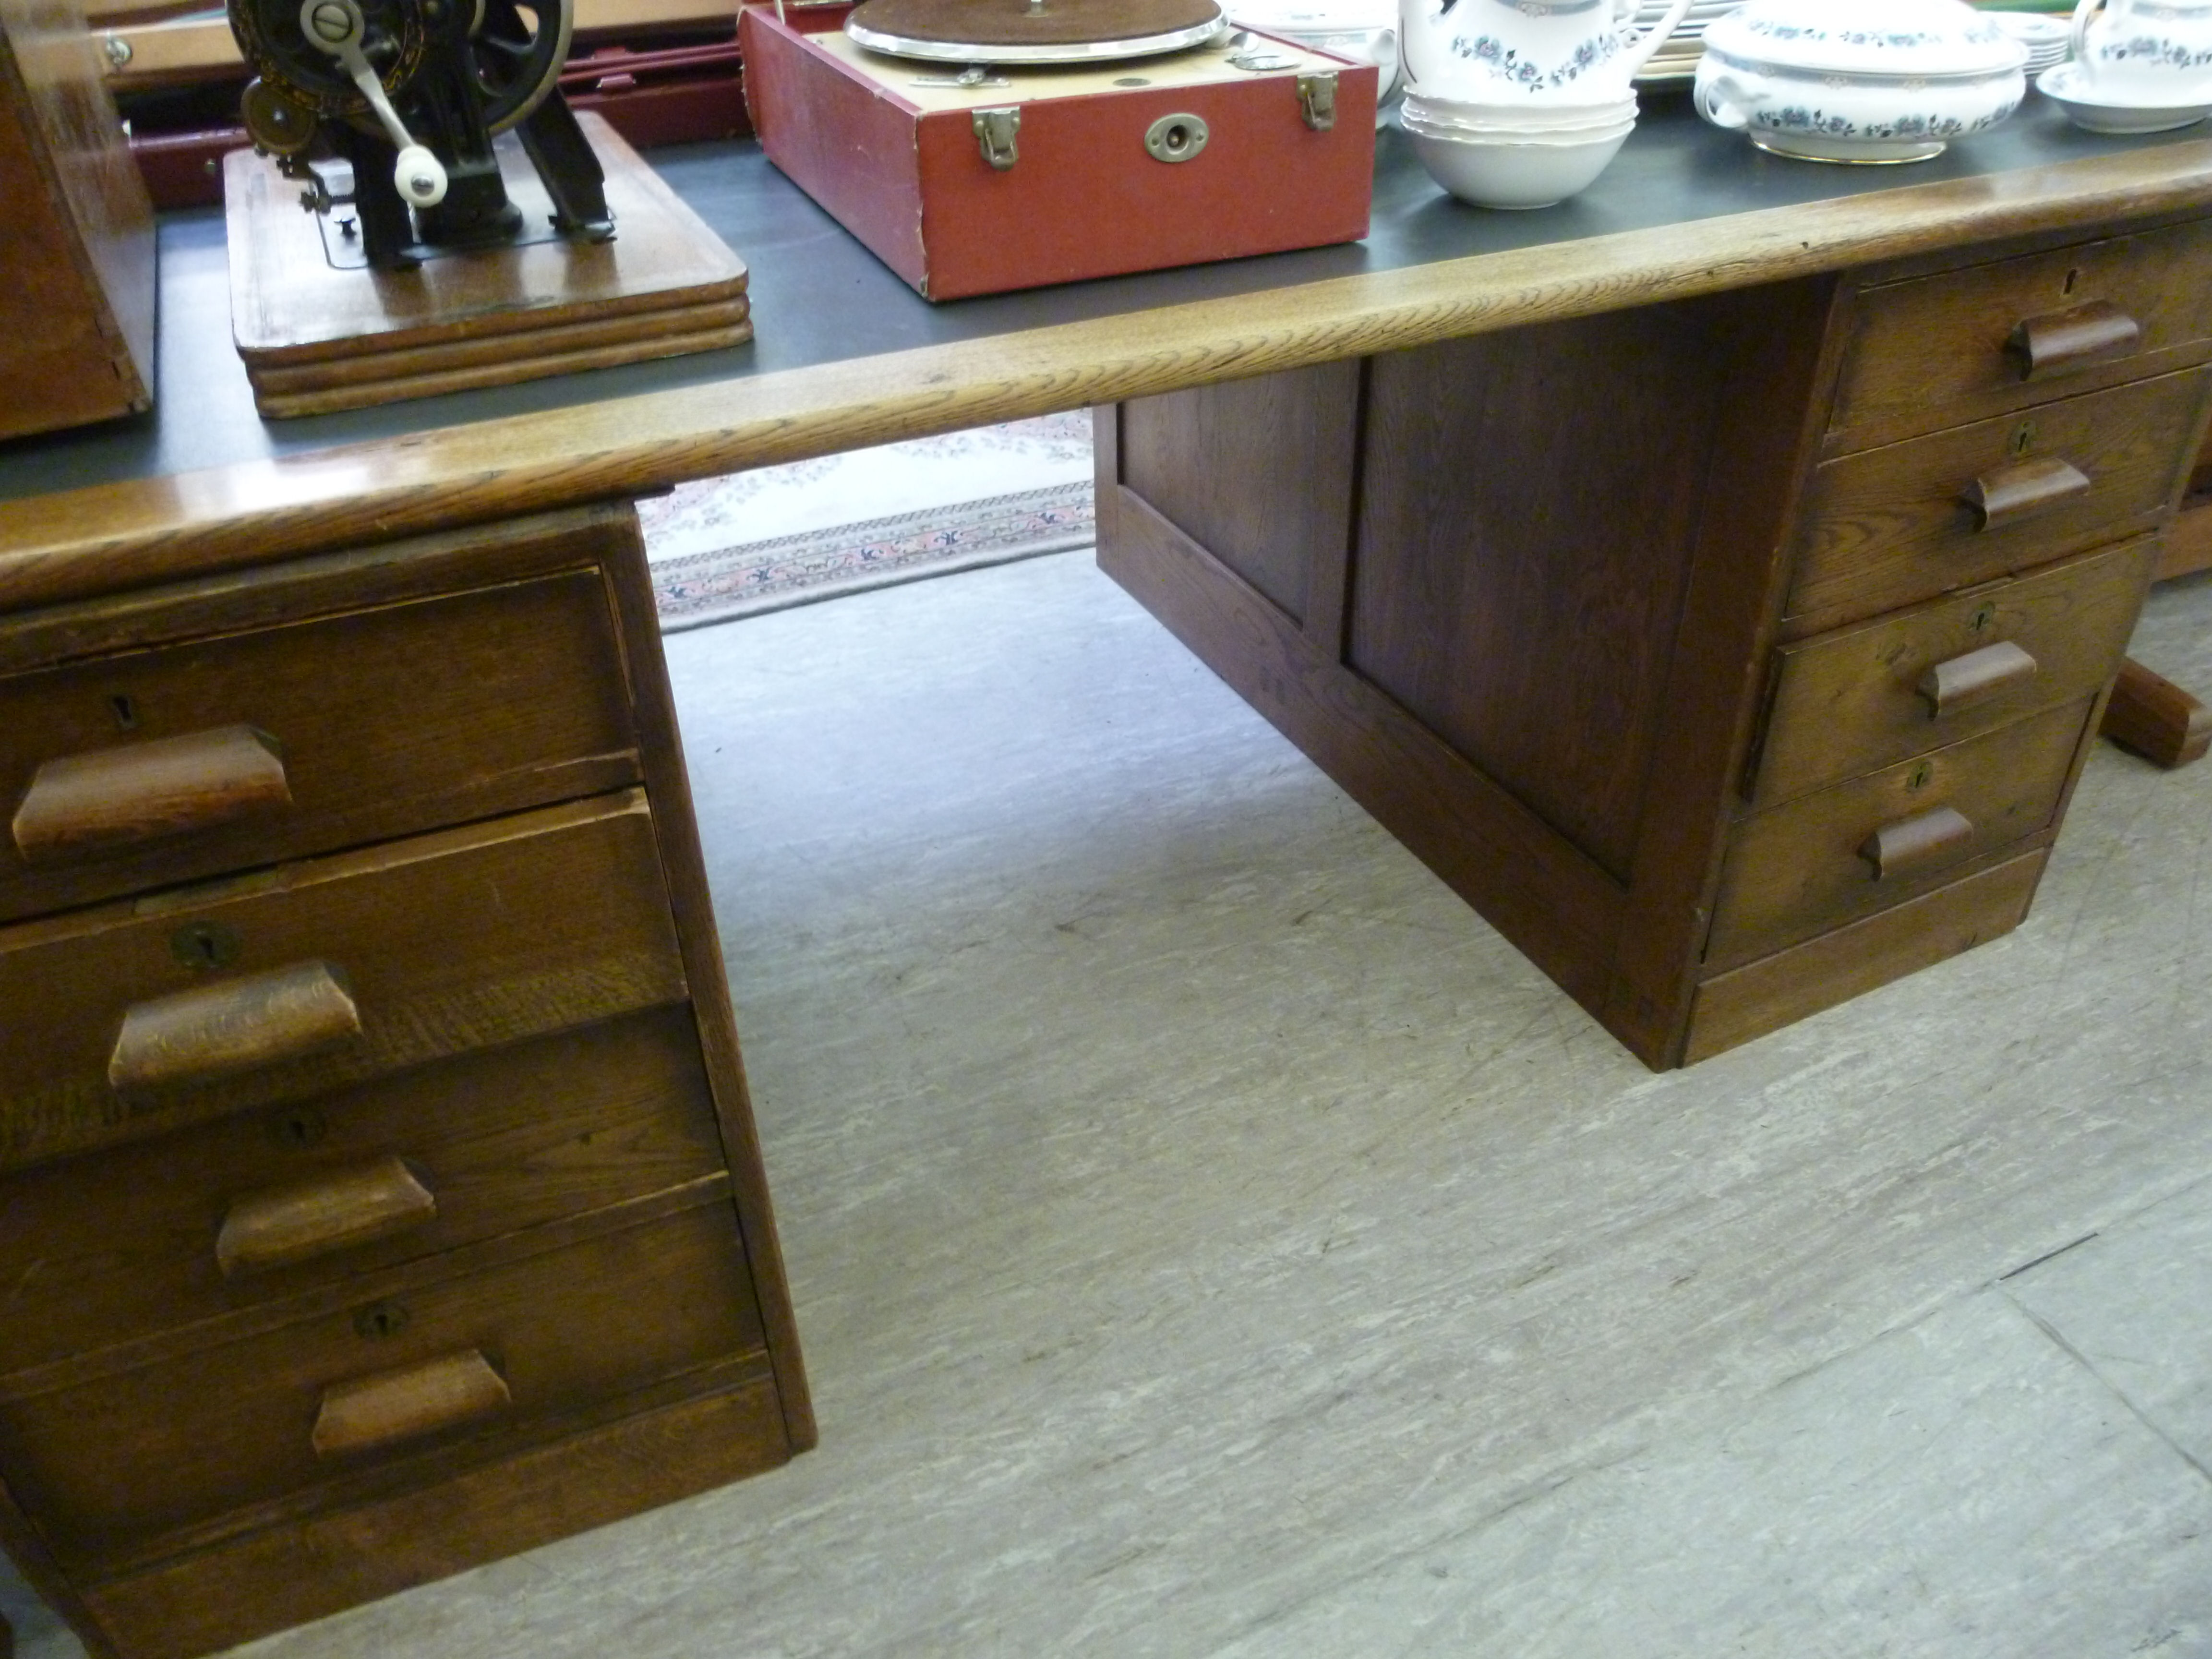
(2156, 718)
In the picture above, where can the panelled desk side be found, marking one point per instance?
(390, 1475)
(1732, 655)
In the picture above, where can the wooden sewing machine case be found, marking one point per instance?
(1239, 161)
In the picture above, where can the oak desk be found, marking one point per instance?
(1686, 323)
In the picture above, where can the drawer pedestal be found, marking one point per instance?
(1731, 656)
(377, 1179)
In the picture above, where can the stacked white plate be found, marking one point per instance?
(1676, 61)
(2049, 40)
(1519, 155)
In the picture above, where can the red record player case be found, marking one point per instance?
(903, 168)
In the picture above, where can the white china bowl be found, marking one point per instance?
(2062, 86)
(1510, 173)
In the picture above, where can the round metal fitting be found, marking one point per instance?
(1175, 137)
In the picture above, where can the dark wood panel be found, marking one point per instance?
(685, 867)
(452, 941)
(1766, 995)
(286, 1575)
(111, 1466)
(1258, 472)
(77, 262)
(1528, 506)
(1800, 868)
(1776, 365)
(1849, 701)
(397, 719)
(1555, 903)
(1891, 526)
(114, 1246)
(1932, 351)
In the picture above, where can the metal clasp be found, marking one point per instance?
(994, 135)
(1317, 98)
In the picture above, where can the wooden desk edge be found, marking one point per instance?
(77, 542)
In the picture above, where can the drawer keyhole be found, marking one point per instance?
(1982, 618)
(1919, 777)
(2023, 440)
(380, 1320)
(300, 1127)
(204, 945)
(125, 712)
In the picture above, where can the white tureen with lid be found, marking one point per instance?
(1859, 80)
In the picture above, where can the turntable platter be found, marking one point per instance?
(1014, 31)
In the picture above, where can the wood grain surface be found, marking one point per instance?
(1800, 869)
(1941, 351)
(77, 262)
(1766, 995)
(2163, 722)
(102, 1251)
(389, 719)
(113, 1464)
(685, 867)
(109, 536)
(335, 1557)
(1850, 701)
(1528, 506)
(1259, 472)
(1887, 527)
(470, 936)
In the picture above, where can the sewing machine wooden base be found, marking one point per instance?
(320, 330)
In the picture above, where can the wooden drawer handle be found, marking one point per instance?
(2022, 491)
(1910, 844)
(1974, 678)
(293, 1223)
(235, 1026)
(2062, 341)
(379, 1410)
(140, 791)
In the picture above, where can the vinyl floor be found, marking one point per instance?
(1210, 1238)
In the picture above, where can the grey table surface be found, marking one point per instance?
(820, 297)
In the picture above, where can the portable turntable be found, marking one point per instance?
(976, 146)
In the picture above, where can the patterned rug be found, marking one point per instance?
(776, 536)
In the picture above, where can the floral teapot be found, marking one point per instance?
(1559, 51)
(2156, 53)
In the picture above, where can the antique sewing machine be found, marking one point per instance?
(464, 227)
(410, 94)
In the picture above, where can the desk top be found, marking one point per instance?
(847, 355)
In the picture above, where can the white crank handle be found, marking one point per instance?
(336, 26)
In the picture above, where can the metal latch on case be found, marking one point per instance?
(994, 137)
(1175, 137)
(1317, 98)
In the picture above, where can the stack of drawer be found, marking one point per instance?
(378, 1193)
(2004, 442)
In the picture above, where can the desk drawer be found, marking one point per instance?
(1933, 351)
(1800, 869)
(228, 1216)
(1849, 702)
(389, 1387)
(134, 1018)
(1891, 526)
(141, 767)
